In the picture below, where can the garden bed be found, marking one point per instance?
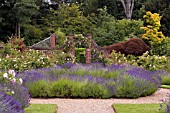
(91, 81)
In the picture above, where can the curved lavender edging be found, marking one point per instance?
(9, 105)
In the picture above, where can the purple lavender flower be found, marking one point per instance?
(67, 65)
(9, 105)
(121, 80)
(114, 67)
(57, 66)
(31, 75)
(161, 73)
(142, 73)
(21, 94)
(97, 65)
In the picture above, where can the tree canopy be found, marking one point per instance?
(34, 19)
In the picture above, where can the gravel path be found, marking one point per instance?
(99, 105)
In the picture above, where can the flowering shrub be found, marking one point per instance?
(26, 60)
(17, 43)
(12, 86)
(161, 49)
(95, 80)
(146, 61)
(12, 58)
(154, 62)
(61, 57)
(6, 77)
(13, 96)
(116, 58)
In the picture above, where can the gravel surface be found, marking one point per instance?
(99, 105)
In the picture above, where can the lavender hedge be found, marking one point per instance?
(9, 105)
(21, 94)
(69, 80)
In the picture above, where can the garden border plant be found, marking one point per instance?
(91, 81)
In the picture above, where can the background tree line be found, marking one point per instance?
(105, 19)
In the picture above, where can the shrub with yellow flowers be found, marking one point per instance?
(152, 33)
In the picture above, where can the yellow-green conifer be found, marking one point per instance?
(152, 33)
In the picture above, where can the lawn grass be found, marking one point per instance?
(41, 108)
(165, 86)
(138, 108)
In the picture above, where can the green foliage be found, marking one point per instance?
(23, 61)
(72, 20)
(126, 87)
(117, 58)
(89, 6)
(138, 108)
(114, 7)
(124, 28)
(15, 13)
(61, 37)
(19, 61)
(109, 31)
(161, 49)
(104, 26)
(166, 80)
(97, 56)
(67, 88)
(167, 66)
(46, 19)
(152, 62)
(59, 57)
(161, 7)
(41, 108)
(77, 25)
(66, 11)
(121, 59)
(80, 55)
(23, 10)
(165, 86)
(42, 89)
(32, 34)
(94, 90)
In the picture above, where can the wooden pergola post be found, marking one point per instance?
(88, 50)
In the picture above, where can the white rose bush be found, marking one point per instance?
(14, 97)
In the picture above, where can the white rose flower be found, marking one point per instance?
(21, 81)
(12, 92)
(13, 80)
(12, 72)
(5, 75)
